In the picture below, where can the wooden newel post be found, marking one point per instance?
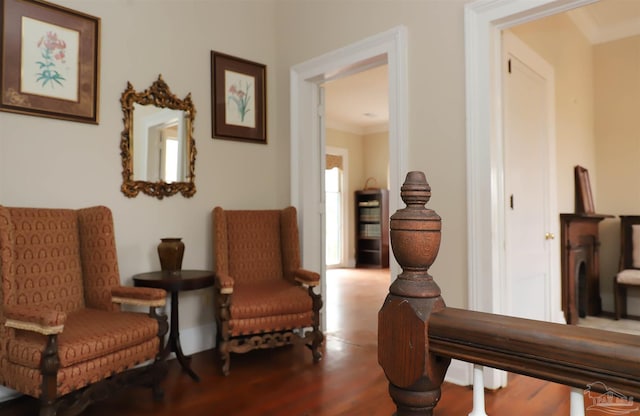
(415, 375)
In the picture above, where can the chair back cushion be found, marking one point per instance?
(254, 246)
(635, 239)
(629, 242)
(99, 257)
(40, 253)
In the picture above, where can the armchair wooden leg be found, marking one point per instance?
(620, 300)
(49, 369)
(47, 410)
(224, 302)
(159, 372)
(318, 336)
(160, 368)
(225, 356)
(616, 298)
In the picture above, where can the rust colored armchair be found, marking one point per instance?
(63, 337)
(262, 294)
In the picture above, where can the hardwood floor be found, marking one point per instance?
(284, 381)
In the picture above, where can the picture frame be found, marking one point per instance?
(238, 99)
(583, 196)
(50, 57)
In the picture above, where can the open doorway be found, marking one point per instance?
(356, 125)
(487, 200)
(308, 132)
(356, 131)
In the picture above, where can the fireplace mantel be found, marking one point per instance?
(580, 265)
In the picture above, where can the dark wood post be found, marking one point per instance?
(49, 366)
(415, 375)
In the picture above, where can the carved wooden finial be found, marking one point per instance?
(415, 191)
(414, 374)
(415, 239)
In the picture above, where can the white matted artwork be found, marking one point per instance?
(49, 60)
(238, 99)
(241, 104)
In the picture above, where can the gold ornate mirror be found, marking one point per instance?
(157, 145)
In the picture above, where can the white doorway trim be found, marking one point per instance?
(307, 145)
(484, 19)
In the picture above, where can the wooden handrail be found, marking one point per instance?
(564, 354)
(418, 334)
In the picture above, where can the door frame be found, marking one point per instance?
(307, 143)
(484, 20)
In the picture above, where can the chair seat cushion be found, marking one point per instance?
(269, 298)
(629, 277)
(87, 334)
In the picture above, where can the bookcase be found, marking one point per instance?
(372, 228)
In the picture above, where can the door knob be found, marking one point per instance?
(549, 236)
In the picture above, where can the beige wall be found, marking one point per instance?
(436, 109)
(53, 163)
(376, 160)
(617, 129)
(56, 163)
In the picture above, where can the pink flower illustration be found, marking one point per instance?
(53, 50)
(240, 98)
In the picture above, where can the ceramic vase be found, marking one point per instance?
(170, 251)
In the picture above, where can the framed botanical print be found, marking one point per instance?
(50, 61)
(238, 99)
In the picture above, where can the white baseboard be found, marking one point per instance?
(199, 338)
(8, 394)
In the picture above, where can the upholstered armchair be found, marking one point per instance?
(63, 337)
(629, 271)
(262, 294)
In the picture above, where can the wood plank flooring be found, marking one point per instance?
(284, 381)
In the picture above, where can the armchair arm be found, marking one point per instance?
(224, 283)
(307, 277)
(142, 296)
(32, 318)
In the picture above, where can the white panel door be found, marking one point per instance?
(528, 149)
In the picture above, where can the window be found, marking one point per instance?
(333, 209)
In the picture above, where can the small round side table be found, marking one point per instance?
(176, 282)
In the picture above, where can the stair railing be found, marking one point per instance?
(418, 334)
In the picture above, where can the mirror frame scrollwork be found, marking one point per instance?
(158, 95)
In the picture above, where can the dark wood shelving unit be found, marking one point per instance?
(372, 228)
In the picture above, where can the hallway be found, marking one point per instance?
(353, 299)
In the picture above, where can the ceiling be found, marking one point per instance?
(359, 103)
(608, 20)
